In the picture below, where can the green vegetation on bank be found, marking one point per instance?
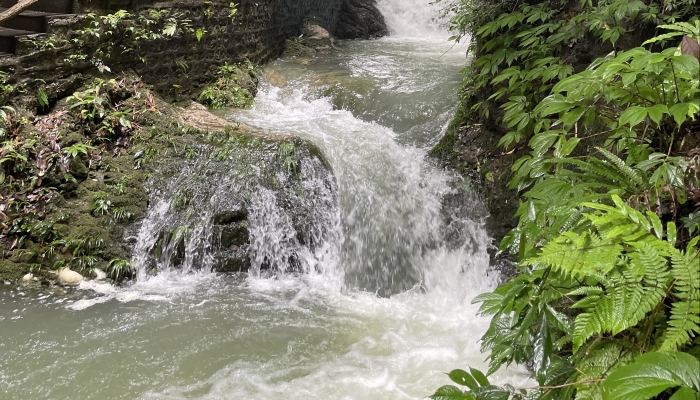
(600, 100)
(235, 87)
(72, 169)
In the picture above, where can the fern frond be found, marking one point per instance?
(584, 326)
(586, 290)
(601, 171)
(621, 222)
(598, 361)
(596, 172)
(571, 221)
(586, 302)
(684, 322)
(625, 298)
(640, 299)
(632, 175)
(654, 265)
(578, 255)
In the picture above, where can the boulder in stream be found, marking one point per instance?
(360, 19)
(68, 277)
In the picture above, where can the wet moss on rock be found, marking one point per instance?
(79, 184)
(236, 86)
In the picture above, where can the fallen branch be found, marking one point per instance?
(16, 9)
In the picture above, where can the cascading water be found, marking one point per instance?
(360, 283)
(414, 19)
(273, 210)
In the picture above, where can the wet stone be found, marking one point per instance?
(229, 217)
(234, 235)
(68, 277)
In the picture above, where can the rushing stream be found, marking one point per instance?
(382, 315)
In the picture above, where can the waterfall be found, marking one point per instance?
(360, 256)
(415, 18)
(390, 194)
(253, 203)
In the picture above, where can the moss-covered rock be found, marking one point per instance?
(236, 87)
(112, 159)
(12, 271)
(79, 184)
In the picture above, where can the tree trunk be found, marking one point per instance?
(16, 9)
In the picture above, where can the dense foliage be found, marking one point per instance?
(74, 159)
(607, 300)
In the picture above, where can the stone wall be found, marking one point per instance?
(179, 66)
(256, 33)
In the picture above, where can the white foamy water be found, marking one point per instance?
(416, 19)
(382, 307)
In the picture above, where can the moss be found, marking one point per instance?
(444, 149)
(235, 87)
(235, 234)
(71, 138)
(11, 271)
(112, 170)
(226, 96)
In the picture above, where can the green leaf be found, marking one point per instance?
(543, 348)
(571, 116)
(651, 374)
(449, 392)
(657, 112)
(541, 142)
(486, 297)
(170, 29)
(685, 63)
(557, 319)
(565, 147)
(671, 233)
(42, 97)
(656, 224)
(479, 376)
(662, 37)
(683, 111)
(633, 115)
(684, 393)
(123, 121)
(553, 104)
(462, 377)
(492, 392)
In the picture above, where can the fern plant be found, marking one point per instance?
(606, 276)
(523, 48)
(631, 291)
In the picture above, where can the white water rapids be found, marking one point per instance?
(387, 315)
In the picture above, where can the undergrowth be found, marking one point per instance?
(227, 90)
(607, 300)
